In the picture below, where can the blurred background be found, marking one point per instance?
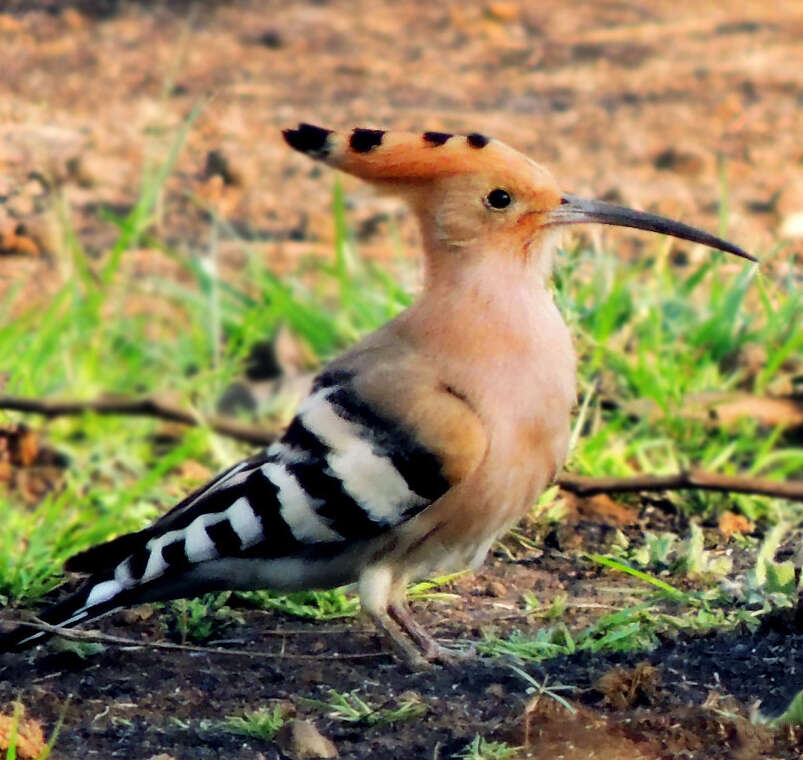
(671, 106)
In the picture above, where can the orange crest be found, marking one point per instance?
(379, 156)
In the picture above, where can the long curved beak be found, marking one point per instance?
(574, 210)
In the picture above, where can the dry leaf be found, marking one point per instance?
(138, 614)
(13, 243)
(30, 741)
(27, 447)
(623, 687)
(730, 523)
(766, 410)
(601, 508)
(727, 408)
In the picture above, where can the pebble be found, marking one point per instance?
(302, 740)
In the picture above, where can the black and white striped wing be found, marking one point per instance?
(341, 474)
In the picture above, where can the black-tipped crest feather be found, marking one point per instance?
(437, 138)
(308, 139)
(365, 140)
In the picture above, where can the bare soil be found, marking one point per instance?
(649, 104)
(698, 700)
(697, 703)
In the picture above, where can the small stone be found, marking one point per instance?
(496, 690)
(302, 740)
(270, 39)
(30, 739)
(792, 226)
(218, 164)
(409, 696)
(682, 161)
(496, 589)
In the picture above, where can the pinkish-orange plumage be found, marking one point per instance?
(422, 443)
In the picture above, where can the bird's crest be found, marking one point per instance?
(392, 156)
(411, 159)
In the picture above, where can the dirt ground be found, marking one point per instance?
(696, 702)
(651, 104)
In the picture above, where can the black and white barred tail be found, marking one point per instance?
(305, 513)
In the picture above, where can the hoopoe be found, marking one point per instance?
(420, 445)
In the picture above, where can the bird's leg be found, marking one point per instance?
(431, 650)
(376, 585)
(383, 598)
(409, 652)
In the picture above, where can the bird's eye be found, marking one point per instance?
(498, 198)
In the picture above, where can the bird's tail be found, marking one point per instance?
(96, 598)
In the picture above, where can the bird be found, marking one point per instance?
(421, 444)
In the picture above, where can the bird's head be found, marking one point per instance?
(475, 194)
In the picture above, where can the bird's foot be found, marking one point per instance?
(438, 654)
(428, 650)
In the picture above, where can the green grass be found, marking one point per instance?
(257, 724)
(330, 604)
(203, 618)
(644, 330)
(768, 586)
(481, 748)
(632, 629)
(351, 708)
(335, 603)
(792, 715)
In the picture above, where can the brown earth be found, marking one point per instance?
(649, 104)
(696, 701)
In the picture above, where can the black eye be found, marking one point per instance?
(498, 198)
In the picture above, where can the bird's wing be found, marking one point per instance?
(349, 468)
(108, 554)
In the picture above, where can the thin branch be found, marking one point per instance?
(146, 406)
(154, 406)
(692, 479)
(104, 638)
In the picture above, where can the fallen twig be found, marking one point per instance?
(146, 406)
(104, 638)
(691, 479)
(154, 406)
